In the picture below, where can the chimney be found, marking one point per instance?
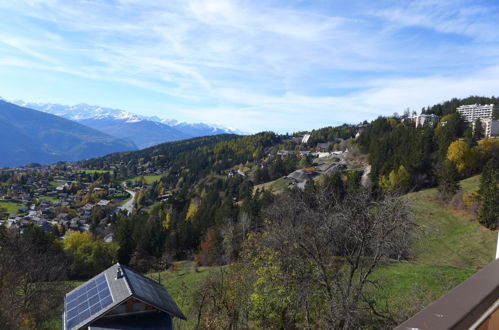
(119, 273)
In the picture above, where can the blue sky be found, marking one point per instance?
(252, 65)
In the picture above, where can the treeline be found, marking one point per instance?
(176, 228)
(161, 154)
(449, 107)
(405, 158)
(330, 133)
(396, 145)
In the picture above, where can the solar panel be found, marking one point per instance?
(86, 301)
(152, 291)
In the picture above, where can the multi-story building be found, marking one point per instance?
(490, 127)
(472, 112)
(423, 119)
(485, 113)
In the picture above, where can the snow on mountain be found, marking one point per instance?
(82, 111)
(143, 131)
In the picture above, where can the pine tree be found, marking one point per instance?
(478, 130)
(448, 180)
(488, 214)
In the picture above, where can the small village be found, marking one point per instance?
(65, 197)
(59, 197)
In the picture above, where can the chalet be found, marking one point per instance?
(304, 153)
(323, 146)
(119, 298)
(284, 153)
(323, 154)
(305, 139)
(88, 207)
(103, 202)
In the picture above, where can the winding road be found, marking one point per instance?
(129, 203)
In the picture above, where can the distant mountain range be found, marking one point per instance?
(30, 136)
(141, 130)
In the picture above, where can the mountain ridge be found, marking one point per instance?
(144, 131)
(34, 136)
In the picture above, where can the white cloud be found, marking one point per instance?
(261, 65)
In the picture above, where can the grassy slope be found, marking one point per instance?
(95, 171)
(276, 186)
(450, 237)
(11, 207)
(451, 247)
(181, 284)
(149, 178)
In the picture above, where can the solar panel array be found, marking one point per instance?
(153, 292)
(86, 301)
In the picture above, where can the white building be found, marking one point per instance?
(490, 127)
(485, 113)
(423, 119)
(472, 112)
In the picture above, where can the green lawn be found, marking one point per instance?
(11, 207)
(95, 171)
(406, 288)
(450, 247)
(181, 284)
(149, 178)
(56, 183)
(276, 186)
(447, 236)
(49, 198)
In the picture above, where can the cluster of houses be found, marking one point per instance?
(48, 202)
(321, 150)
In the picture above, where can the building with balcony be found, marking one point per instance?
(472, 112)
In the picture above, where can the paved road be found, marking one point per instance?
(129, 203)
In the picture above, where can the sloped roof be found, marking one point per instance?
(152, 292)
(102, 293)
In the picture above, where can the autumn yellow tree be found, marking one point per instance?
(466, 159)
(397, 180)
(75, 239)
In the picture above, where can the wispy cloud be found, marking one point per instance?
(254, 65)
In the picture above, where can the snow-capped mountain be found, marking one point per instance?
(141, 130)
(31, 136)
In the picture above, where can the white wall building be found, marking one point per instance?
(485, 113)
(490, 127)
(420, 120)
(472, 112)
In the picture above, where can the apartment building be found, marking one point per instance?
(421, 120)
(472, 112)
(485, 113)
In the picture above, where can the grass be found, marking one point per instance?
(450, 247)
(450, 237)
(406, 288)
(181, 283)
(95, 171)
(149, 178)
(49, 198)
(56, 183)
(11, 207)
(276, 186)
